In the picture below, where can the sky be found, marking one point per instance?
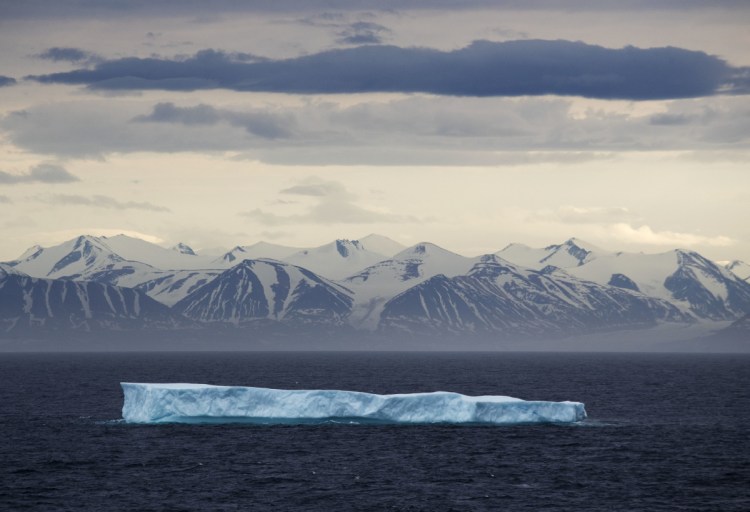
(470, 124)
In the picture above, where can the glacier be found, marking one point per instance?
(203, 403)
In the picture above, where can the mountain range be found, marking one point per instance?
(371, 287)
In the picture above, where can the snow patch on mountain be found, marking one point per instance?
(336, 260)
(382, 245)
(501, 299)
(181, 257)
(377, 284)
(253, 252)
(571, 253)
(268, 289)
(53, 304)
(690, 281)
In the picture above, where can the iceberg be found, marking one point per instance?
(202, 403)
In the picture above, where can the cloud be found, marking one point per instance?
(319, 189)
(5, 200)
(645, 235)
(42, 173)
(622, 225)
(6, 81)
(264, 124)
(586, 215)
(67, 54)
(169, 113)
(412, 130)
(363, 32)
(669, 119)
(99, 201)
(482, 69)
(334, 205)
(323, 19)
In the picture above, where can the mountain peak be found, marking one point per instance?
(31, 253)
(82, 239)
(184, 249)
(381, 244)
(514, 245)
(574, 242)
(422, 249)
(579, 250)
(344, 246)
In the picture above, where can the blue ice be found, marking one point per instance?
(202, 403)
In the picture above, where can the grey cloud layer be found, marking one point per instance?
(6, 81)
(264, 124)
(482, 69)
(42, 173)
(415, 130)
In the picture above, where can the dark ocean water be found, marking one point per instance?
(665, 432)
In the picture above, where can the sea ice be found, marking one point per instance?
(201, 403)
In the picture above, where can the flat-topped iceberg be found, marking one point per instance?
(201, 403)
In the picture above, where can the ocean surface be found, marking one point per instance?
(665, 432)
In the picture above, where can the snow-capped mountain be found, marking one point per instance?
(67, 260)
(169, 275)
(739, 268)
(687, 279)
(54, 305)
(253, 252)
(85, 254)
(571, 253)
(169, 287)
(336, 260)
(268, 290)
(497, 298)
(100, 260)
(573, 287)
(349, 253)
(376, 284)
(180, 257)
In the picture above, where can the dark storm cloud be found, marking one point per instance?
(267, 125)
(482, 69)
(65, 54)
(35, 9)
(6, 81)
(43, 173)
(363, 32)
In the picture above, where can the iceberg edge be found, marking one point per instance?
(202, 403)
